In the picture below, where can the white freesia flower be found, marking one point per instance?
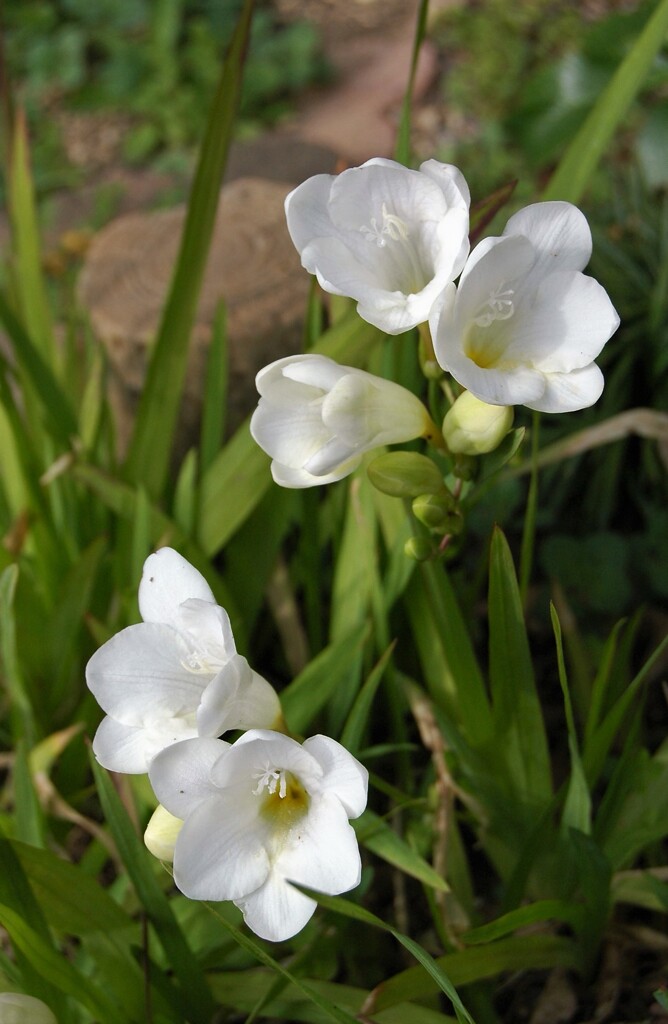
(175, 675)
(258, 815)
(525, 325)
(387, 236)
(15, 1008)
(317, 418)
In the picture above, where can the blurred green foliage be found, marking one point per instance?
(156, 62)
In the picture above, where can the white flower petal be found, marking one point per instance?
(249, 757)
(238, 698)
(207, 629)
(123, 748)
(168, 580)
(344, 776)
(451, 181)
(567, 325)
(365, 412)
(276, 911)
(180, 774)
(141, 673)
(312, 369)
(322, 852)
(286, 476)
(290, 431)
(559, 233)
(220, 853)
(568, 392)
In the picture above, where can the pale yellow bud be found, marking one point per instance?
(472, 427)
(15, 1008)
(161, 834)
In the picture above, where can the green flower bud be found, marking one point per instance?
(433, 509)
(405, 474)
(418, 548)
(472, 427)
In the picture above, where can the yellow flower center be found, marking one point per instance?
(284, 799)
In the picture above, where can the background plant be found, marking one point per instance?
(517, 820)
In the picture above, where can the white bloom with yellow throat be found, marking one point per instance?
(524, 325)
(258, 815)
(175, 675)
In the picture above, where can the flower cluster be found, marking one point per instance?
(522, 326)
(241, 821)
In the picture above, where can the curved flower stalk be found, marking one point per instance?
(316, 418)
(387, 236)
(525, 325)
(15, 1008)
(174, 676)
(258, 815)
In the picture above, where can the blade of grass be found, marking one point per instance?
(55, 409)
(57, 970)
(577, 808)
(435, 972)
(215, 391)
(518, 718)
(193, 993)
(258, 951)
(583, 154)
(28, 281)
(403, 147)
(150, 449)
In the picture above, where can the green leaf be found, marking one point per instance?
(541, 910)
(214, 401)
(577, 808)
(351, 737)
(72, 901)
(518, 722)
(332, 1011)
(57, 970)
(448, 660)
(17, 894)
(435, 972)
(375, 835)
(582, 156)
(516, 953)
(309, 692)
(403, 145)
(28, 281)
(150, 449)
(21, 707)
(241, 990)
(194, 994)
(55, 409)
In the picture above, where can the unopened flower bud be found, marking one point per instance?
(433, 509)
(418, 548)
(472, 427)
(161, 834)
(16, 1008)
(405, 474)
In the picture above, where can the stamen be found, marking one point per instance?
(271, 779)
(501, 307)
(393, 227)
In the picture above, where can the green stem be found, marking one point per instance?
(529, 532)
